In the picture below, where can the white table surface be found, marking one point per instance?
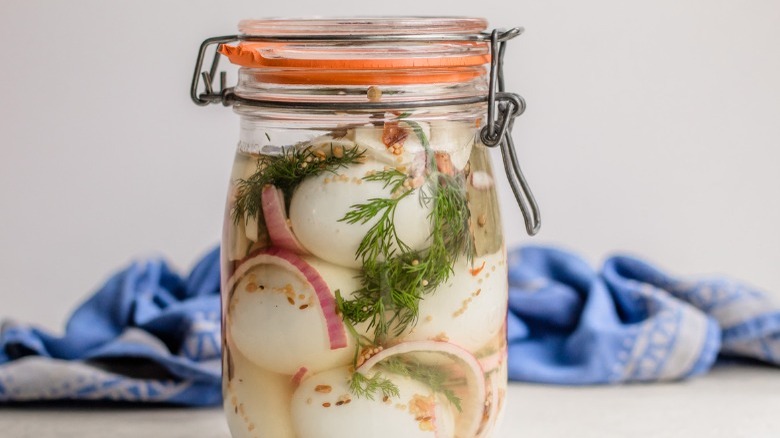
(733, 402)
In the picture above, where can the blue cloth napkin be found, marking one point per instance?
(628, 322)
(149, 335)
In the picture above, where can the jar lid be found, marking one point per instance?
(406, 50)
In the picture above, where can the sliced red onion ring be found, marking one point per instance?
(492, 361)
(276, 220)
(285, 259)
(473, 403)
(493, 409)
(298, 376)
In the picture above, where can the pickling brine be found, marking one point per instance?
(366, 285)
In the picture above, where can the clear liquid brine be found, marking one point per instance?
(365, 285)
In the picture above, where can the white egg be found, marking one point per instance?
(257, 401)
(470, 308)
(370, 137)
(238, 238)
(454, 138)
(319, 410)
(319, 203)
(234, 241)
(325, 142)
(275, 319)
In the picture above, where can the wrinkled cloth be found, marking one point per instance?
(147, 335)
(629, 322)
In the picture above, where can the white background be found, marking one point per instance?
(653, 127)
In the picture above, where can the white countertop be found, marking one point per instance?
(734, 401)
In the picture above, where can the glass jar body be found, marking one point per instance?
(364, 276)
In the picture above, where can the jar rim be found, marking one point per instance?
(380, 25)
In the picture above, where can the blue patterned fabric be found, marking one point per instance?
(628, 322)
(149, 335)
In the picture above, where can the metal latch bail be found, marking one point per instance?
(503, 108)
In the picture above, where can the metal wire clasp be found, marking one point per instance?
(210, 96)
(503, 107)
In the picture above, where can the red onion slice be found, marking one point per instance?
(285, 259)
(276, 220)
(298, 376)
(473, 402)
(492, 361)
(492, 410)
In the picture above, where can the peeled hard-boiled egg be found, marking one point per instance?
(320, 202)
(370, 138)
(256, 401)
(470, 308)
(239, 237)
(276, 321)
(454, 138)
(323, 407)
(325, 142)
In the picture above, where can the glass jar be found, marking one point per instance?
(364, 269)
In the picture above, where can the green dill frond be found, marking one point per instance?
(367, 387)
(437, 379)
(394, 277)
(415, 127)
(382, 238)
(450, 214)
(418, 131)
(286, 171)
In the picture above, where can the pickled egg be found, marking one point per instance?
(320, 202)
(239, 237)
(470, 308)
(370, 138)
(257, 400)
(323, 407)
(276, 322)
(454, 138)
(328, 141)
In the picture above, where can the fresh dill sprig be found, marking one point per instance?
(450, 214)
(395, 278)
(392, 286)
(362, 386)
(286, 171)
(394, 281)
(418, 131)
(433, 377)
(382, 237)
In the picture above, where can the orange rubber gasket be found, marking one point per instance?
(352, 77)
(376, 71)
